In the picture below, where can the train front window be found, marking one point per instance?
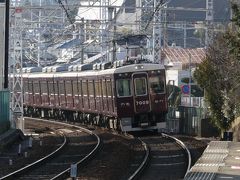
(156, 85)
(140, 86)
(123, 87)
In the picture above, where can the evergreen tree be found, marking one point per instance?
(219, 75)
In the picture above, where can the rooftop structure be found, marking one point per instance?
(181, 55)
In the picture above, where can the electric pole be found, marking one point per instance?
(16, 67)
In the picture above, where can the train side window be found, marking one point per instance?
(157, 85)
(123, 87)
(90, 88)
(36, 87)
(80, 87)
(104, 88)
(25, 86)
(97, 91)
(50, 87)
(61, 87)
(75, 87)
(109, 88)
(44, 87)
(84, 88)
(68, 87)
(56, 87)
(30, 87)
(140, 86)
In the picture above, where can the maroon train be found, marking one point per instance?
(129, 98)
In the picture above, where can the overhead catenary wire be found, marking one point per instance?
(159, 5)
(66, 11)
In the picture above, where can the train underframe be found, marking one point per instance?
(144, 121)
(139, 122)
(73, 117)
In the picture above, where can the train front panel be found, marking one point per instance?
(141, 98)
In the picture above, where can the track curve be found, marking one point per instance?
(168, 160)
(56, 165)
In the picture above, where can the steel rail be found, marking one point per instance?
(53, 153)
(144, 162)
(15, 173)
(185, 148)
(60, 175)
(89, 155)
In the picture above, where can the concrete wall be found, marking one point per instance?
(4, 94)
(4, 111)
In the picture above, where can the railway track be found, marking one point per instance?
(78, 145)
(168, 159)
(120, 156)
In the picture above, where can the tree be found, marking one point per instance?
(174, 95)
(219, 75)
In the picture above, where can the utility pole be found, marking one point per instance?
(157, 33)
(39, 35)
(82, 39)
(6, 45)
(17, 82)
(112, 19)
(189, 83)
(185, 35)
(190, 79)
(104, 33)
(165, 36)
(209, 22)
(2, 46)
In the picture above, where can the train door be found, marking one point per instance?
(80, 90)
(44, 92)
(91, 95)
(51, 93)
(36, 92)
(30, 92)
(40, 91)
(85, 94)
(75, 94)
(62, 93)
(104, 96)
(56, 92)
(109, 95)
(69, 93)
(26, 92)
(98, 95)
(141, 95)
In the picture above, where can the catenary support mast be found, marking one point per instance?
(16, 68)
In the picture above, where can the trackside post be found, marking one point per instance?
(73, 171)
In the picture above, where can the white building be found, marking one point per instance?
(180, 60)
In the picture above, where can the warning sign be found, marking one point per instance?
(185, 89)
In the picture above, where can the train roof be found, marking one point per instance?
(115, 70)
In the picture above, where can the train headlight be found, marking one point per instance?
(139, 67)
